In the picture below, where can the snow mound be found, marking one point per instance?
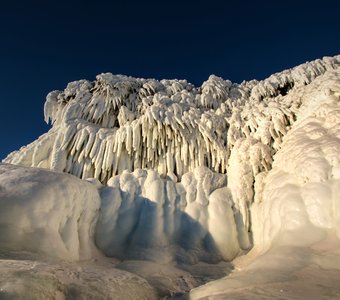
(137, 215)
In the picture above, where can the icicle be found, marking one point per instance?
(156, 119)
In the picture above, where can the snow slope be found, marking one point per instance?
(182, 174)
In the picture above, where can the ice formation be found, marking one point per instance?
(119, 123)
(301, 191)
(46, 212)
(178, 172)
(295, 213)
(158, 219)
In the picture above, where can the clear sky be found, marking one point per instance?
(46, 44)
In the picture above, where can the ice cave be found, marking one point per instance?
(148, 189)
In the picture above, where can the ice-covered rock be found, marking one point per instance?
(179, 173)
(30, 279)
(119, 123)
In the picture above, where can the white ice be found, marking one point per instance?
(175, 174)
(50, 213)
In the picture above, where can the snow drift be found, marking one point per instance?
(179, 173)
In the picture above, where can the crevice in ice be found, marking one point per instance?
(283, 90)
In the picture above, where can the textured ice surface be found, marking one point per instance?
(31, 280)
(182, 174)
(137, 215)
(295, 214)
(301, 191)
(146, 217)
(119, 123)
(47, 212)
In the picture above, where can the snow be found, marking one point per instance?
(56, 229)
(171, 176)
(137, 215)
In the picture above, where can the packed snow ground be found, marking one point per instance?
(175, 179)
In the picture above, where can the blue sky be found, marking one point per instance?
(46, 44)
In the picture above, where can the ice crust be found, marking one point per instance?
(173, 173)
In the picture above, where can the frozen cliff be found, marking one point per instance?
(173, 173)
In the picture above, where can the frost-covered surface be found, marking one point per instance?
(55, 229)
(137, 216)
(182, 174)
